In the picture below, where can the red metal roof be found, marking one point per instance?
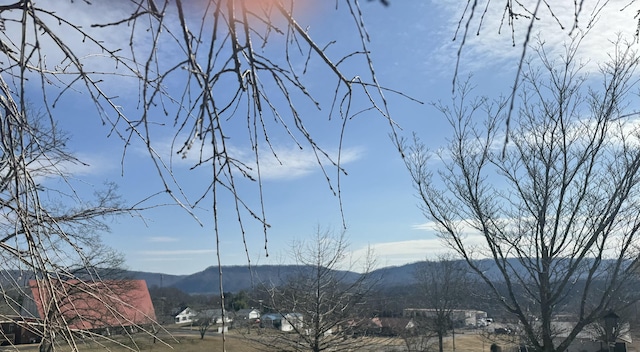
(86, 305)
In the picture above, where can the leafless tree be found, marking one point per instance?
(556, 211)
(444, 287)
(521, 19)
(47, 230)
(419, 340)
(199, 68)
(324, 299)
(204, 323)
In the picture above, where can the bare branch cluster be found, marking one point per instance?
(556, 210)
(200, 70)
(47, 232)
(323, 301)
(443, 287)
(576, 20)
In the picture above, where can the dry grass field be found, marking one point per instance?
(189, 343)
(478, 343)
(238, 343)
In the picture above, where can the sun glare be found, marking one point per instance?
(260, 8)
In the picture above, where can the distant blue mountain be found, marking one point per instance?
(239, 278)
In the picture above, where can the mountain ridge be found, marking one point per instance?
(237, 278)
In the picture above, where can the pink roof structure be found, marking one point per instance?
(82, 305)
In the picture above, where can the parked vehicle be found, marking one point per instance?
(502, 331)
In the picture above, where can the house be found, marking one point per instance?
(390, 326)
(98, 306)
(214, 316)
(17, 330)
(283, 322)
(460, 317)
(247, 314)
(588, 345)
(590, 338)
(185, 315)
(14, 329)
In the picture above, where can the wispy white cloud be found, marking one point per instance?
(80, 41)
(404, 252)
(430, 248)
(476, 243)
(283, 162)
(291, 162)
(427, 226)
(495, 44)
(45, 170)
(462, 226)
(93, 164)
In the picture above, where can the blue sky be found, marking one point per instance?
(413, 52)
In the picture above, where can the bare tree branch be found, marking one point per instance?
(556, 211)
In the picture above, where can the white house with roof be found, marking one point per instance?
(215, 316)
(283, 322)
(185, 315)
(463, 317)
(247, 314)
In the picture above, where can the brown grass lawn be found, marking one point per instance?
(238, 343)
(482, 343)
(477, 343)
(189, 343)
(192, 343)
(195, 344)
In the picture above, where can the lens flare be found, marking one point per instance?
(262, 8)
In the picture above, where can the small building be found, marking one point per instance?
(283, 322)
(390, 326)
(17, 330)
(460, 317)
(185, 315)
(214, 316)
(590, 338)
(247, 314)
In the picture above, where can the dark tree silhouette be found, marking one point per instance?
(443, 287)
